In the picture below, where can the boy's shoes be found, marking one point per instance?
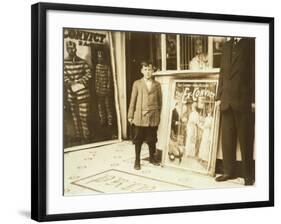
(137, 166)
(154, 161)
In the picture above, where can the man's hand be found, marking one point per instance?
(253, 106)
(76, 87)
(218, 102)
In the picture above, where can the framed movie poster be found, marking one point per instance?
(133, 111)
(90, 94)
(193, 126)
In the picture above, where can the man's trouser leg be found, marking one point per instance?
(75, 116)
(244, 126)
(229, 142)
(102, 110)
(109, 113)
(83, 114)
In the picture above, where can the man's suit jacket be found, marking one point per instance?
(237, 75)
(145, 105)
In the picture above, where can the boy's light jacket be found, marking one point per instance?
(145, 105)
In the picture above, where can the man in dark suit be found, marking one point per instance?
(236, 95)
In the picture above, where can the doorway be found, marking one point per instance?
(140, 46)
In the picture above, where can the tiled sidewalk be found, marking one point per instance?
(109, 169)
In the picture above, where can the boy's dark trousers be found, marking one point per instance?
(148, 135)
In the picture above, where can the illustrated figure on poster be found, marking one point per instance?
(144, 113)
(204, 149)
(103, 85)
(176, 145)
(77, 74)
(175, 125)
(200, 108)
(236, 95)
(191, 131)
(200, 60)
(183, 115)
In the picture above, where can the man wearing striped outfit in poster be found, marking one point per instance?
(104, 87)
(76, 79)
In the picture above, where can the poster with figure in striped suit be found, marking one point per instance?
(90, 105)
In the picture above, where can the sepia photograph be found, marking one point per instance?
(157, 112)
(139, 112)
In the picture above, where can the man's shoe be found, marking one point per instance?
(224, 178)
(249, 181)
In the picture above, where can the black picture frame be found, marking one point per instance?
(39, 110)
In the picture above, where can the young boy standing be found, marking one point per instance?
(144, 113)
